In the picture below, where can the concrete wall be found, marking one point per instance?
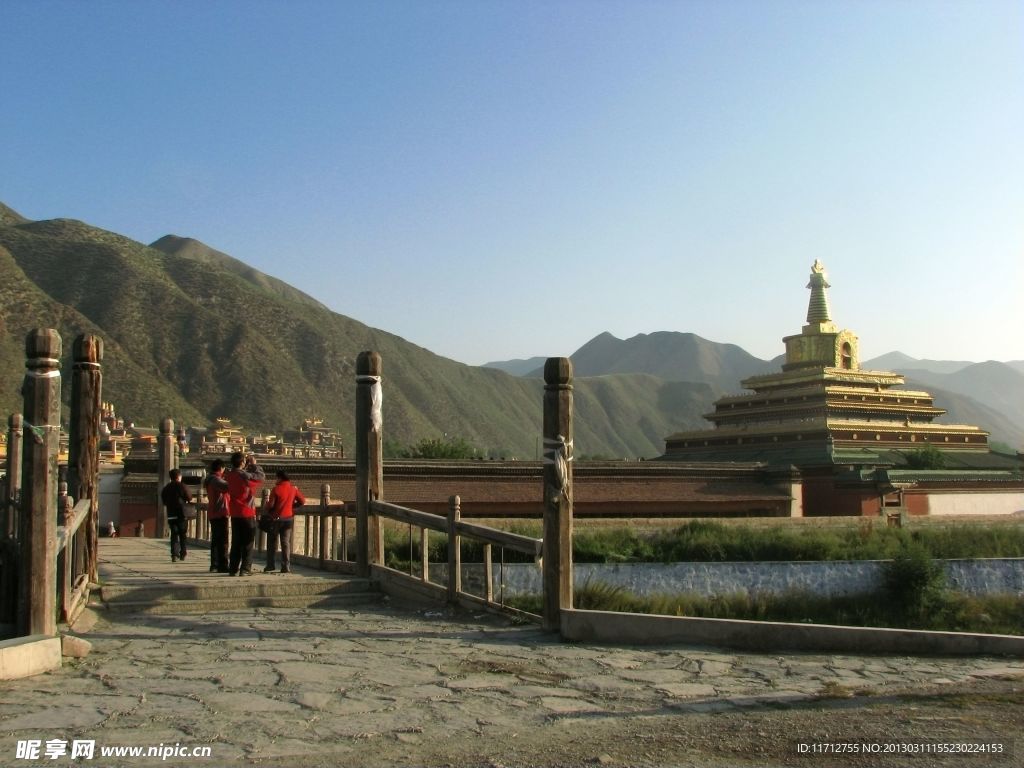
(643, 629)
(1003, 575)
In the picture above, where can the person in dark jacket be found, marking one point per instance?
(244, 478)
(282, 501)
(217, 513)
(175, 496)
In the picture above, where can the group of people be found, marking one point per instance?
(232, 513)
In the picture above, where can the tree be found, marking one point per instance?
(439, 448)
(928, 457)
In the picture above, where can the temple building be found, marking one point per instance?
(860, 441)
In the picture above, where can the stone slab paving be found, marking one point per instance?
(370, 685)
(277, 686)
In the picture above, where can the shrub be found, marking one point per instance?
(915, 581)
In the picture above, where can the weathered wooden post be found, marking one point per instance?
(325, 506)
(324, 535)
(66, 559)
(164, 464)
(454, 549)
(10, 525)
(558, 430)
(369, 467)
(83, 453)
(15, 450)
(41, 390)
(261, 543)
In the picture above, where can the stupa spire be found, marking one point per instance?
(817, 309)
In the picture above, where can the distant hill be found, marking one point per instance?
(671, 356)
(225, 340)
(897, 361)
(528, 367)
(997, 385)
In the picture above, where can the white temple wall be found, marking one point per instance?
(976, 503)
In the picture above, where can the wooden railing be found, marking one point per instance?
(72, 559)
(323, 536)
(371, 509)
(455, 529)
(49, 543)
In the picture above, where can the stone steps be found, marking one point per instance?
(219, 592)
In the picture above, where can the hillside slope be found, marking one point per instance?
(196, 344)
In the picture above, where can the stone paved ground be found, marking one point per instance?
(383, 687)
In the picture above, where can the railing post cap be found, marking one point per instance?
(87, 348)
(44, 343)
(166, 425)
(558, 371)
(368, 364)
(15, 421)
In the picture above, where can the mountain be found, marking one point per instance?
(897, 361)
(519, 367)
(192, 333)
(989, 394)
(188, 248)
(671, 356)
(996, 384)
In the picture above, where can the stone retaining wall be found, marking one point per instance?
(989, 576)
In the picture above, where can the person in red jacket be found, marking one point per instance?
(282, 502)
(217, 514)
(244, 477)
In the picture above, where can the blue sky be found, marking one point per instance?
(494, 180)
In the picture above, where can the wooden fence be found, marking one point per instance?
(555, 548)
(348, 537)
(48, 543)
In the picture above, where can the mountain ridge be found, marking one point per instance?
(196, 344)
(225, 340)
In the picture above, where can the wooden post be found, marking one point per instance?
(488, 574)
(165, 463)
(10, 525)
(12, 500)
(558, 492)
(84, 454)
(454, 549)
(324, 538)
(325, 505)
(369, 467)
(41, 391)
(424, 554)
(261, 535)
(65, 559)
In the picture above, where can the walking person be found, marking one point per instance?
(244, 477)
(175, 496)
(282, 501)
(217, 513)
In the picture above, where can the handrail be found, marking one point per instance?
(321, 538)
(514, 541)
(456, 529)
(411, 516)
(70, 528)
(72, 565)
(320, 542)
